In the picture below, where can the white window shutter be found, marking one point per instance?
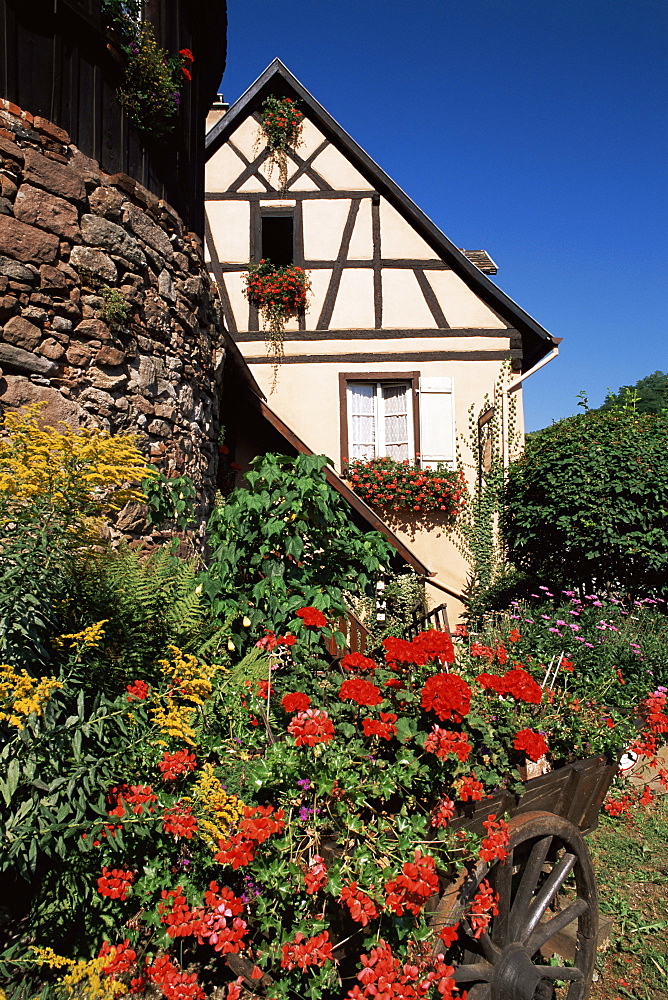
(437, 422)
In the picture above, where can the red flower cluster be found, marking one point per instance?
(516, 682)
(302, 952)
(442, 812)
(362, 907)
(137, 689)
(179, 821)
(312, 617)
(356, 661)
(282, 290)
(384, 727)
(316, 875)
(258, 825)
(405, 486)
(411, 889)
(295, 702)
(424, 648)
(496, 842)
(360, 691)
(447, 695)
(221, 925)
(514, 635)
(470, 789)
(383, 977)
(531, 744)
(121, 957)
(135, 796)
(174, 911)
(175, 765)
(483, 908)
(311, 727)
(115, 883)
(271, 641)
(175, 985)
(444, 742)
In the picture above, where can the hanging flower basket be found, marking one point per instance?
(279, 293)
(404, 486)
(281, 129)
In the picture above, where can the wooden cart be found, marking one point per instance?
(545, 884)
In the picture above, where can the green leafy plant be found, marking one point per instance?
(281, 128)
(115, 309)
(406, 487)
(585, 506)
(170, 501)
(284, 540)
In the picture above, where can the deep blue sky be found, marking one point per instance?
(533, 129)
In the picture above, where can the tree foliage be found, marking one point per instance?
(587, 504)
(648, 395)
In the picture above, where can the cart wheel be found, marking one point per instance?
(547, 855)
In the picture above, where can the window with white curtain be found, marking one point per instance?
(380, 420)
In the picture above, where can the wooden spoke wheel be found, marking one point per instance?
(545, 884)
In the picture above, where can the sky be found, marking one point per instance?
(536, 131)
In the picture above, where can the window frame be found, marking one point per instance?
(260, 211)
(412, 379)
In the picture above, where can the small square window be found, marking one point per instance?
(278, 239)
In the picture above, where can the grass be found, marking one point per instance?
(630, 856)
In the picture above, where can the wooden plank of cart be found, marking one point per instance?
(545, 884)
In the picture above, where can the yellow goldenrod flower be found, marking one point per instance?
(22, 695)
(222, 810)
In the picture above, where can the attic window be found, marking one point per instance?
(277, 239)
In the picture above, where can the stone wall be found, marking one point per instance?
(68, 233)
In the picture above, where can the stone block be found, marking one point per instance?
(8, 188)
(16, 357)
(25, 243)
(78, 355)
(18, 272)
(61, 324)
(17, 392)
(94, 262)
(21, 332)
(147, 230)
(54, 177)
(100, 232)
(50, 348)
(107, 201)
(52, 279)
(46, 127)
(92, 329)
(110, 356)
(103, 380)
(11, 150)
(8, 307)
(39, 208)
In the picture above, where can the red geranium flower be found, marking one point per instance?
(316, 875)
(447, 695)
(362, 907)
(532, 744)
(295, 702)
(115, 882)
(355, 661)
(121, 957)
(179, 821)
(360, 691)
(302, 952)
(174, 765)
(311, 727)
(496, 842)
(384, 727)
(137, 689)
(443, 742)
(470, 788)
(312, 617)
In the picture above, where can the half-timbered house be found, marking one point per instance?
(405, 336)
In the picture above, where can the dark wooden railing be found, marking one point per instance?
(356, 636)
(57, 61)
(436, 618)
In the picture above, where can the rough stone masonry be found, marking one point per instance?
(69, 234)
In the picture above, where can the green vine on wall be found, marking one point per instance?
(476, 531)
